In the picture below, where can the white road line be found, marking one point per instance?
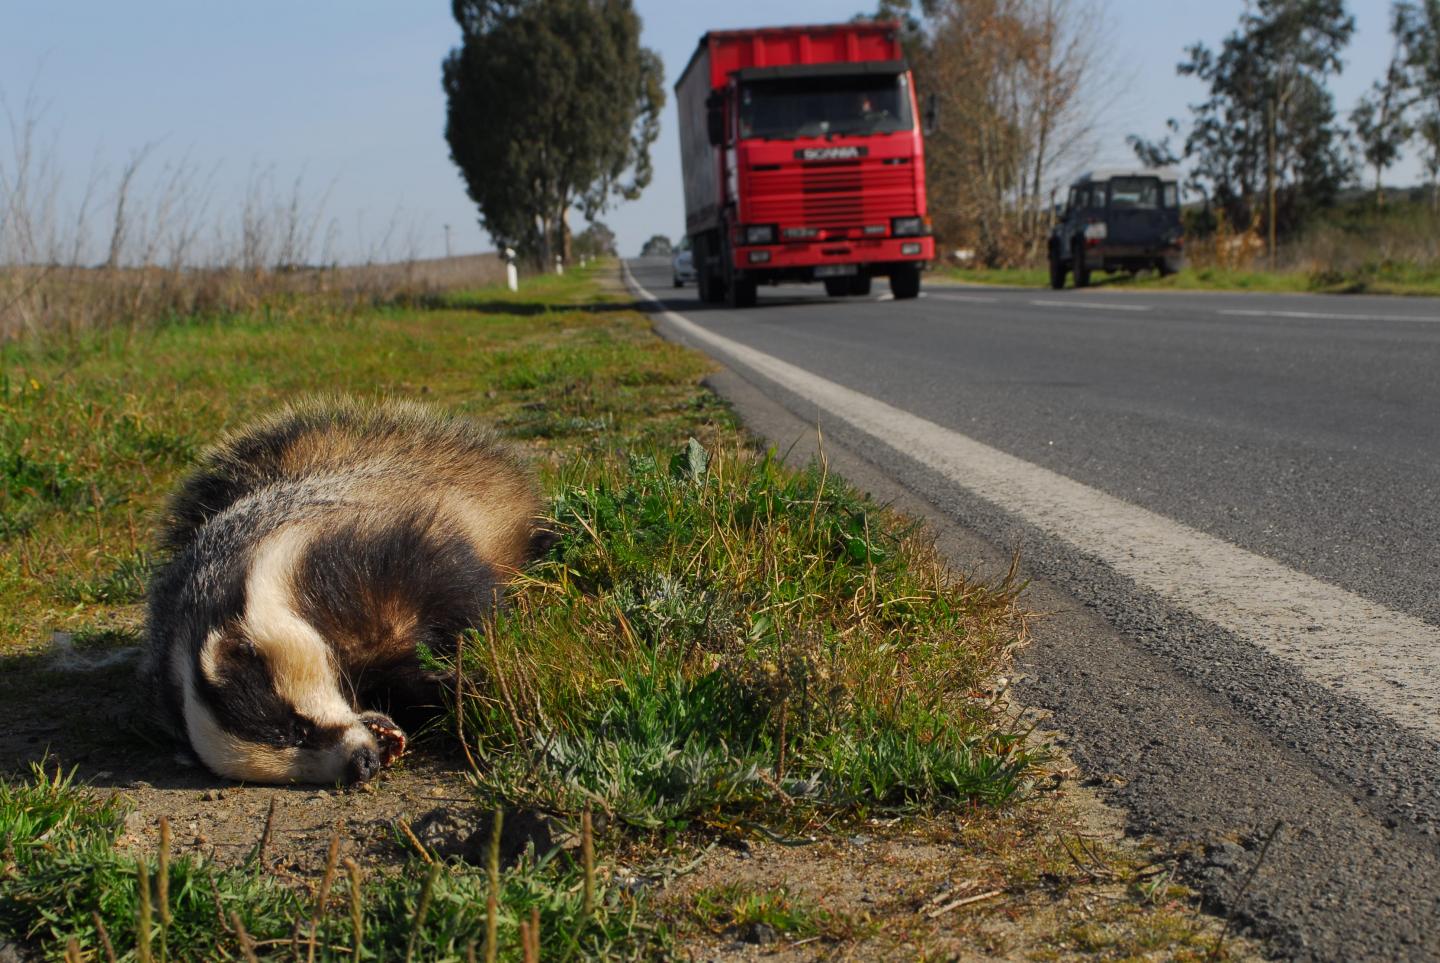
(1318, 315)
(1092, 306)
(1334, 637)
(961, 297)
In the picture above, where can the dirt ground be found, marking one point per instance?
(1052, 879)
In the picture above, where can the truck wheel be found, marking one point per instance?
(740, 292)
(1057, 272)
(905, 281)
(1082, 272)
(837, 287)
(1167, 267)
(859, 286)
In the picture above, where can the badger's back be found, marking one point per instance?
(400, 450)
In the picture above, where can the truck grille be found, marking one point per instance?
(831, 195)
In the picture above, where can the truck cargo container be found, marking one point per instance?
(803, 160)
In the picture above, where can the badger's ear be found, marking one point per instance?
(541, 541)
(226, 651)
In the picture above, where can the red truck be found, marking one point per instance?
(803, 161)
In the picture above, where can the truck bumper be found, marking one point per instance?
(797, 262)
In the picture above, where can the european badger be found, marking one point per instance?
(307, 558)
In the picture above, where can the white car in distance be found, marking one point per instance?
(682, 265)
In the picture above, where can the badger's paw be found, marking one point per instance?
(390, 736)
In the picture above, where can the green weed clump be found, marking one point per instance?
(723, 636)
(63, 878)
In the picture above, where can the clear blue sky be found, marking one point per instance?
(348, 95)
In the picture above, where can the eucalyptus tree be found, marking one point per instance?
(552, 105)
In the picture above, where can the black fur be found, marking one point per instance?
(378, 592)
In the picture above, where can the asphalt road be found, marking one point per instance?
(1229, 506)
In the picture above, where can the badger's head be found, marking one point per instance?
(258, 691)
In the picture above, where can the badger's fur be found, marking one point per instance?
(306, 559)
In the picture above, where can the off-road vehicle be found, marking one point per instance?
(1118, 220)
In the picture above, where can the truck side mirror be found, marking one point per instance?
(715, 119)
(930, 115)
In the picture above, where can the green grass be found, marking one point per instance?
(734, 907)
(723, 635)
(1380, 277)
(62, 878)
(715, 643)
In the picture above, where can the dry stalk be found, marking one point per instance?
(104, 935)
(332, 858)
(421, 910)
(72, 951)
(265, 834)
(142, 922)
(492, 901)
(247, 945)
(587, 854)
(357, 916)
(162, 887)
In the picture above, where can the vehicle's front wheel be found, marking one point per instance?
(1057, 272)
(740, 292)
(837, 287)
(1082, 271)
(859, 286)
(905, 281)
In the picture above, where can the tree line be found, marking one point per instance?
(1022, 84)
(553, 105)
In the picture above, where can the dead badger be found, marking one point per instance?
(307, 558)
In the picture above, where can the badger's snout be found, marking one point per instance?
(364, 763)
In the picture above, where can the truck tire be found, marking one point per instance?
(1082, 272)
(740, 292)
(837, 287)
(859, 286)
(1057, 271)
(905, 281)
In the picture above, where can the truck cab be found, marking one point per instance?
(1118, 220)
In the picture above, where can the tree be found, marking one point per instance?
(1380, 120)
(658, 246)
(1265, 141)
(1019, 84)
(1418, 24)
(550, 105)
(597, 240)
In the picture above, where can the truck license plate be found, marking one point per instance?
(835, 270)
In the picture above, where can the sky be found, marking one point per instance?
(344, 95)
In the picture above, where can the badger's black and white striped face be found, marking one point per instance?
(263, 699)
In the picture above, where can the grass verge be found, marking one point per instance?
(717, 648)
(1377, 278)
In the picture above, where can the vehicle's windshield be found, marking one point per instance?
(1140, 193)
(817, 106)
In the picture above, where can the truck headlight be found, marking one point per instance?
(911, 249)
(759, 257)
(800, 233)
(760, 234)
(902, 226)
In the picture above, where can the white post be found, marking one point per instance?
(512, 276)
(559, 265)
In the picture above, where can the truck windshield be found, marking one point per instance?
(818, 106)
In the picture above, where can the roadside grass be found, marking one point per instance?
(716, 647)
(723, 636)
(65, 886)
(1380, 277)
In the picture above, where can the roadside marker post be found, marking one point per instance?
(512, 276)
